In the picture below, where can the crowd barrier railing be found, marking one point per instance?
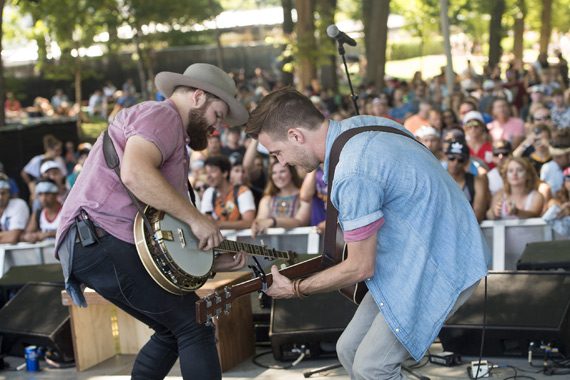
(35, 253)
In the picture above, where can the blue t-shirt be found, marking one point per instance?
(430, 247)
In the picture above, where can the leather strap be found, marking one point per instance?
(112, 160)
(331, 255)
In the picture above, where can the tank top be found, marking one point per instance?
(527, 205)
(47, 225)
(284, 207)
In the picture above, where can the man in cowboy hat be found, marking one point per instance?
(151, 141)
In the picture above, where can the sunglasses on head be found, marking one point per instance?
(451, 157)
(543, 117)
(202, 188)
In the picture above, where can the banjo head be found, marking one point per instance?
(181, 244)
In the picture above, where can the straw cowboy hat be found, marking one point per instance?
(208, 78)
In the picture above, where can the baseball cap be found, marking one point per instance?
(488, 85)
(502, 146)
(427, 130)
(454, 134)
(473, 115)
(537, 88)
(458, 147)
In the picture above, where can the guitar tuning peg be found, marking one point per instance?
(208, 301)
(262, 243)
(217, 297)
(227, 293)
(227, 310)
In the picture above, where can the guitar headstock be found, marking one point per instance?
(213, 306)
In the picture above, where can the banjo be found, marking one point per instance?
(172, 258)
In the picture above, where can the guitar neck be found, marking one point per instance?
(252, 249)
(298, 270)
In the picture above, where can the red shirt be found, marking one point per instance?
(485, 153)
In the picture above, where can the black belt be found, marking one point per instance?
(99, 232)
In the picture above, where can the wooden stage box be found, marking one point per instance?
(94, 341)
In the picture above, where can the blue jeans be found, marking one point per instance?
(368, 349)
(112, 267)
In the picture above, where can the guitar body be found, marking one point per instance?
(173, 259)
(171, 255)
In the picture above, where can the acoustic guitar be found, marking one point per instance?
(172, 258)
(216, 304)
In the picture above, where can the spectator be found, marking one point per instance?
(536, 97)
(129, 86)
(541, 63)
(400, 109)
(233, 143)
(563, 68)
(562, 197)
(40, 107)
(519, 197)
(501, 152)
(487, 97)
(431, 138)
(50, 169)
(281, 205)
(474, 187)
(315, 190)
(83, 152)
(561, 110)
(476, 166)
(539, 114)
(231, 206)
(546, 79)
(551, 172)
(478, 138)
(505, 127)
(13, 107)
(14, 214)
(380, 107)
(200, 186)
(14, 189)
(214, 145)
(254, 164)
(96, 101)
(53, 149)
(450, 120)
(413, 123)
(536, 147)
(125, 100)
(44, 222)
(59, 101)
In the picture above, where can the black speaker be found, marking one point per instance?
(522, 307)
(36, 316)
(17, 276)
(545, 255)
(316, 322)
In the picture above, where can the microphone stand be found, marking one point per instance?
(353, 96)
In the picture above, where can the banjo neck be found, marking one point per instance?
(252, 249)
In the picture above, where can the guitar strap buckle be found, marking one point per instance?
(258, 272)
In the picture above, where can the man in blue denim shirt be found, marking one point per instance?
(410, 232)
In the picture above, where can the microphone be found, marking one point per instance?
(341, 37)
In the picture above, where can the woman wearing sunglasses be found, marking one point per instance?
(478, 137)
(519, 197)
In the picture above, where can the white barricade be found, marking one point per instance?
(26, 254)
(508, 238)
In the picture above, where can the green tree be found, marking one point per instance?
(2, 86)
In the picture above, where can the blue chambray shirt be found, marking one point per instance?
(430, 247)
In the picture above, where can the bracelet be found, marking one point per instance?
(274, 222)
(297, 288)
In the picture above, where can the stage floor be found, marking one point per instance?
(118, 368)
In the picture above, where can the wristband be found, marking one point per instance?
(297, 288)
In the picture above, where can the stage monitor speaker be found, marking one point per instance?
(36, 316)
(17, 276)
(316, 322)
(522, 307)
(545, 255)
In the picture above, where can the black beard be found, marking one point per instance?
(198, 129)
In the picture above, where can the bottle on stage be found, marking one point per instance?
(32, 363)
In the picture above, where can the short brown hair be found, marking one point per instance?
(533, 180)
(280, 110)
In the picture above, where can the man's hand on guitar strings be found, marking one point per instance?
(229, 262)
(206, 230)
(281, 287)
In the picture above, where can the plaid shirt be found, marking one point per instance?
(561, 118)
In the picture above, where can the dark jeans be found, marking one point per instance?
(112, 267)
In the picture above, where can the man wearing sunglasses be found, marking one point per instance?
(474, 187)
(501, 152)
(551, 172)
(536, 147)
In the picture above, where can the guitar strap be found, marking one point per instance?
(331, 256)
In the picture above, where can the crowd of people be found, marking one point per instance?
(504, 137)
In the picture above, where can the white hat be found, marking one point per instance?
(473, 115)
(488, 85)
(47, 166)
(426, 130)
(208, 78)
(538, 88)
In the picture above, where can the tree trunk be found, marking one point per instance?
(326, 9)
(140, 65)
(545, 28)
(2, 84)
(496, 32)
(377, 41)
(519, 36)
(444, 18)
(78, 95)
(287, 75)
(219, 50)
(306, 43)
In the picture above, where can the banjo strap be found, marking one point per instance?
(112, 160)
